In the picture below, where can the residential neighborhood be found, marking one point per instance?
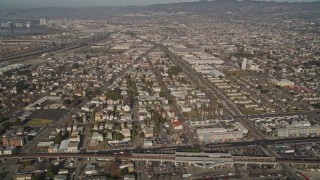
(188, 90)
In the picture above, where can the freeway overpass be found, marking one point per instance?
(205, 160)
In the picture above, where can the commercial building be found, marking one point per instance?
(244, 64)
(218, 134)
(282, 82)
(298, 131)
(28, 24)
(11, 139)
(43, 22)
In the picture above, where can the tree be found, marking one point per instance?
(20, 86)
(142, 135)
(58, 138)
(1, 117)
(54, 88)
(37, 176)
(67, 101)
(162, 93)
(51, 171)
(65, 135)
(7, 125)
(174, 70)
(75, 65)
(317, 105)
(17, 122)
(124, 171)
(114, 94)
(118, 136)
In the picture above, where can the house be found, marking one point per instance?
(63, 171)
(97, 136)
(177, 124)
(53, 148)
(142, 116)
(73, 147)
(60, 177)
(1, 150)
(22, 177)
(148, 132)
(147, 143)
(96, 127)
(99, 116)
(186, 109)
(108, 126)
(90, 169)
(126, 108)
(74, 138)
(126, 133)
(156, 88)
(126, 117)
(129, 177)
(10, 150)
(109, 136)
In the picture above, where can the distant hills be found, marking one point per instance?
(208, 8)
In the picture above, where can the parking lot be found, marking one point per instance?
(301, 150)
(50, 114)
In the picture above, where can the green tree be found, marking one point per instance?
(37, 176)
(65, 135)
(7, 125)
(58, 138)
(174, 70)
(51, 171)
(124, 171)
(142, 135)
(75, 65)
(162, 94)
(17, 122)
(67, 101)
(20, 86)
(1, 117)
(118, 136)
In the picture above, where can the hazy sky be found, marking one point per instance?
(86, 3)
(79, 3)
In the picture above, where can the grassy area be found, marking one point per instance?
(102, 145)
(192, 114)
(39, 122)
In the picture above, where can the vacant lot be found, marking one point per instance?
(39, 122)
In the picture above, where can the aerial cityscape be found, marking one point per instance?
(222, 89)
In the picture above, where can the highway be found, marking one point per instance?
(124, 155)
(58, 47)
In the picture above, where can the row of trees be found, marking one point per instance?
(132, 88)
(59, 137)
(114, 94)
(174, 70)
(22, 85)
(158, 120)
